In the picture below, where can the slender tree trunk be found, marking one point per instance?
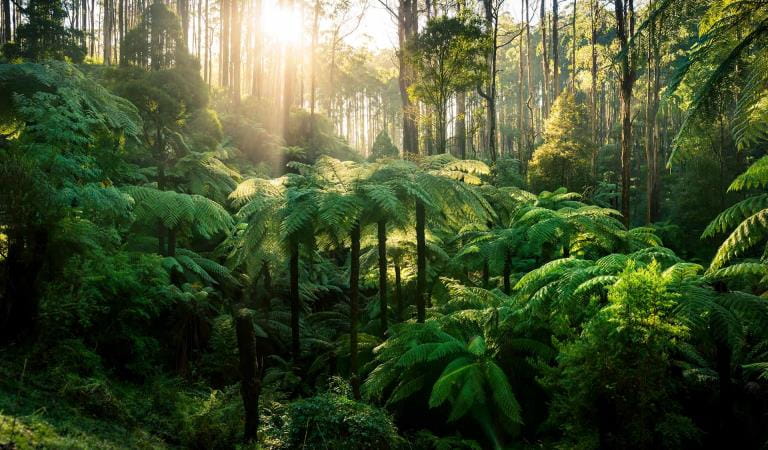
(651, 126)
(7, 35)
(461, 124)
(250, 381)
(266, 276)
(235, 49)
(573, 49)
(313, 65)
(544, 58)
(624, 10)
(491, 21)
(224, 43)
(354, 293)
(593, 94)
(555, 51)
(107, 25)
(421, 262)
(182, 8)
(507, 273)
(398, 294)
(407, 30)
(382, 243)
(289, 79)
(295, 301)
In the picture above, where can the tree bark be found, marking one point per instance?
(421, 262)
(652, 127)
(7, 35)
(555, 51)
(625, 25)
(507, 273)
(224, 43)
(235, 49)
(544, 58)
(354, 294)
(407, 30)
(295, 301)
(382, 243)
(461, 124)
(398, 294)
(250, 382)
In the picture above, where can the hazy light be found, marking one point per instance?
(281, 24)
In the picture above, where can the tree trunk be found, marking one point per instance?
(295, 301)
(313, 66)
(250, 382)
(507, 273)
(398, 294)
(266, 276)
(555, 51)
(382, 242)
(354, 293)
(23, 263)
(407, 30)
(182, 8)
(224, 43)
(625, 20)
(491, 21)
(652, 127)
(461, 125)
(107, 25)
(593, 94)
(235, 49)
(544, 58)
(421, 262)
(7, 36)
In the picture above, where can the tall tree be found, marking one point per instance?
(407, 29)
(625, 28)
(235, 48)
(555, 50)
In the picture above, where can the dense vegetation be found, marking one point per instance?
(470, 242)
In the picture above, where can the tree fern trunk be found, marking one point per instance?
(295, 305)
(507, 274)
(250, 383)
(382, 241)
(398, 294)
(354, 280)
(486, 275)
(171, 242)
(421, 262)
(264, 302)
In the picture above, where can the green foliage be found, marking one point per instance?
(564, 158)
(331, 421)
(383, 147)
(613, 385)
(44, 34)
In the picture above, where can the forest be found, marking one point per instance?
(383, 224)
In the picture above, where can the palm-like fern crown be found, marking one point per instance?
(205, 174)
(560, 290)
(748, 218)
(729, 31)
(173, 209)
(458, 365)
(256, 238)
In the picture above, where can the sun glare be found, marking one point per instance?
(281, 23)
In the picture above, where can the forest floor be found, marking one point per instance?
(33, 415)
